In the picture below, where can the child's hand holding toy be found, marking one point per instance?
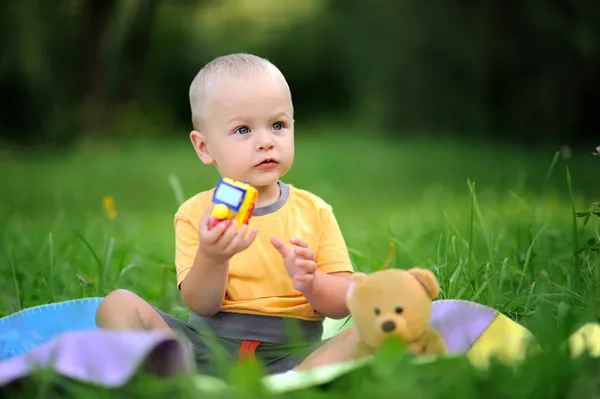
(223, 240)
(224, 225)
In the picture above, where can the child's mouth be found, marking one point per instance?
(267, 163)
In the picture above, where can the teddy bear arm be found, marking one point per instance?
(433, 343)
(363, 350)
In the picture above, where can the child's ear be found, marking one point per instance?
(201, 147)
(427, 280)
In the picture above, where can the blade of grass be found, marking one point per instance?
(479, 291)
(107, 261)
(177, 189)
(94, 255)
(550, 170)
(573, 210)
(13, 269)
(471, 223)
(51, 271)
(528, 257)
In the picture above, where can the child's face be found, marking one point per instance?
(246, 123)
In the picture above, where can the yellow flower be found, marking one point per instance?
(108, 203)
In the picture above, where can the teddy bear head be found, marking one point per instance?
(392, 302)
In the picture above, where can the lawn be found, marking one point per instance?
(495, 223)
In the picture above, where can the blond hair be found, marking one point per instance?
(224, 69)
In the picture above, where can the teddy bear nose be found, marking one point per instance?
(388, 326)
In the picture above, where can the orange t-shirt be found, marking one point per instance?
(258, 280)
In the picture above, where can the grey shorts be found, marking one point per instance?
(215, 354)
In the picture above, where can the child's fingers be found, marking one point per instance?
(205, 216)
(228, 235)
(304, 278)
(250, 237)
(233, 243)
(304, 252)
(301, 248)
(308, 266)
(298, 242)
(280, 246)
(207, 225)
(248, 240)
(212, 235)
(242, 240)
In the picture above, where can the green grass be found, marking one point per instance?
(495, 223)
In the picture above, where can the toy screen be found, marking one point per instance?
(229, 195)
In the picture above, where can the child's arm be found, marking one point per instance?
(321, 276)
(334, 268)
(204, 286)
(328, 294)
(202, 260)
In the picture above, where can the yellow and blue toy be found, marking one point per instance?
(233, 200)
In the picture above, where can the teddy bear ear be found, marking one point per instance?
(358, 276)
(427, 280)
(350, 290)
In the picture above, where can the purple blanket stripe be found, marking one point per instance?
(460, 323)
(105, 358)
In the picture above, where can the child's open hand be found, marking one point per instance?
(221, 241)
(299, 262)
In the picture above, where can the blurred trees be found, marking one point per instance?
(526, 71)
(520, 70)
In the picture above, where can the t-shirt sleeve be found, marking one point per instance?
(332, 255)
(186, 245)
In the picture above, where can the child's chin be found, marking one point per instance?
(265, 181)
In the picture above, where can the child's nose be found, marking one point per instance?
(265, 142)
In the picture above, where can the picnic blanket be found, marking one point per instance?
(111, 358)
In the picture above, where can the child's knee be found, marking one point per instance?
(116, 304)
(120, 298)
(122, 309)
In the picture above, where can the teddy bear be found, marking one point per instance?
(394, 303)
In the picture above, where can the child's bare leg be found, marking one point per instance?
(124, 310)
(340, 348)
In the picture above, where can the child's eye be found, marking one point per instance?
(242, 130)
(277, 126)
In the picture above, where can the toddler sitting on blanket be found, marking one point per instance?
(290, 264)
